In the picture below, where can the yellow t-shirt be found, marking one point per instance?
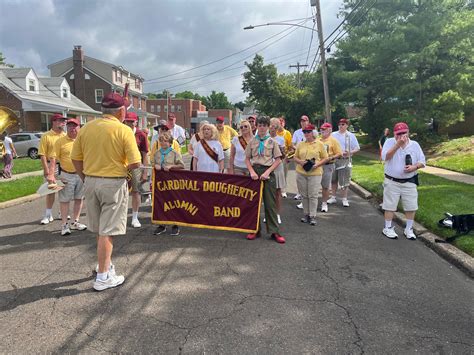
(287, 137)
(107, 147)
(62, 153)
(225, 137)
(306, 151)
(332, 146)
(175, 145)
(46, 146)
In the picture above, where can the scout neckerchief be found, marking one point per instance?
(243, 142)
(261, 144)
(164, 153)
(209, 151)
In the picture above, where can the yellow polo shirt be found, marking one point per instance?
(332, 146)
(62, 153)
(107, 147)
(46, 146)
(225, 137)
(175, 145)
(287, 137)
(307, 151)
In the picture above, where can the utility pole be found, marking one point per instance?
(322, 51)
(298, 66)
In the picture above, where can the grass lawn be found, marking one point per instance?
(435, 196)
(25, 165)
(455, 154)
(19, 188)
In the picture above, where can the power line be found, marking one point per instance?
(345, 19)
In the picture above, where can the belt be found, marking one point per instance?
(402, 181)
(69, 172)
(106, 177)
(329, 163)
(225, 150)
(342, 158)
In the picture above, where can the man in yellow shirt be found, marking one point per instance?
(74, 187)
(334, 150)
(225, 134)
(45, 152)
(282, 132)
(102, 154)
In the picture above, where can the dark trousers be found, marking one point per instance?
(269, 196)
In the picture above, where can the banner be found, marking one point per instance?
(206, 200)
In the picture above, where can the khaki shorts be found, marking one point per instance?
(328, 170)
(393, 191)
(342, 176)
(107, 205)
(73, 189)
(226, 158)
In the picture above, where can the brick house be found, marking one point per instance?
(188, 112)
(90, 79)
(34, 99)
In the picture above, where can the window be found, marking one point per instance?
(165, 108)
(137, 84)
(172, 108)
(158, 108)
(31, 85)
(152, 108)
(99, 94)
(139, 103)
(21, 138)
(65, 93)
(119, 76)
(178, 108)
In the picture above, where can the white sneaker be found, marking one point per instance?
(297, 197)
(331, 200)
(112, 281)
(65, 229)
(324, 207)
(284, 195)
(136, 223)
(409, 234)
(299, 206)
(390, 233)
(345, 203)
(278, 219)
(47, 220)
(78, 226)
(111, 269)
(264, 220)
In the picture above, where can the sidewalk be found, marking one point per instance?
(447, 174)
(21, 176)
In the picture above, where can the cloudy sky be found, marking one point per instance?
(160, 38)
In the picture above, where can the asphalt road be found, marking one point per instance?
(339, 287)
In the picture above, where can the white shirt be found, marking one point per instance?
(394, 167)
(298, 136)
(341, 138)
(205, 162)
(7, 143)
(239, 159)
(179, 134)
(154, 139)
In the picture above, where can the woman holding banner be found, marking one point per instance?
(208, 153)
(237, 150)
(310, 156)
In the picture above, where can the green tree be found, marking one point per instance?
(240, 105)
(217, 100)
(2, 61)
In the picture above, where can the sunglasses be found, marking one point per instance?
(401, 133)
(307, 131)
(244, 127)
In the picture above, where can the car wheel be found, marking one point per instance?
(33, 153)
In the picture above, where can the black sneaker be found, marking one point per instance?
(312, 221)
(175, 230)
(305, 219)
(160, 229)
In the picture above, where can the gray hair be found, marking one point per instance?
(110, 111)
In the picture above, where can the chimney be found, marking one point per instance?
(79, 87)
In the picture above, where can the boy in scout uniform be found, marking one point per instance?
(263, 156)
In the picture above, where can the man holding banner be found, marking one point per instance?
(263, 156)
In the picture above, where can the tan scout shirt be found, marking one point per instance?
(272, 151)
(172, 158)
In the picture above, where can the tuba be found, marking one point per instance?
(7, 118)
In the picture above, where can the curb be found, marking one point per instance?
(19, 201)
(450, 253)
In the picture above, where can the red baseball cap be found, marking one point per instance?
(220, 119)
(251, 117)
(73, 121)
(326, 125)
(171, 115)
(131, 116)
(309, 127)
(113, 100)
(343, 120)
(400, 127)
(57, 116)
(304, 118)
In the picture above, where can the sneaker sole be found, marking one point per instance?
(395, 237)
(174, 234)
(98, 289)
(158, 233)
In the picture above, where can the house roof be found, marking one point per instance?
(45, 95)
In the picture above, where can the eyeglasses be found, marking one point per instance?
(307, 130)
(241, 127)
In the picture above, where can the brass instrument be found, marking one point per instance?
(7, 119)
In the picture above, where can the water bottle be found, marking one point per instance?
(408, 160)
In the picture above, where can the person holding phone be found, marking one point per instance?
(403, 157)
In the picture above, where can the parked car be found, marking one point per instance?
(26, 143)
